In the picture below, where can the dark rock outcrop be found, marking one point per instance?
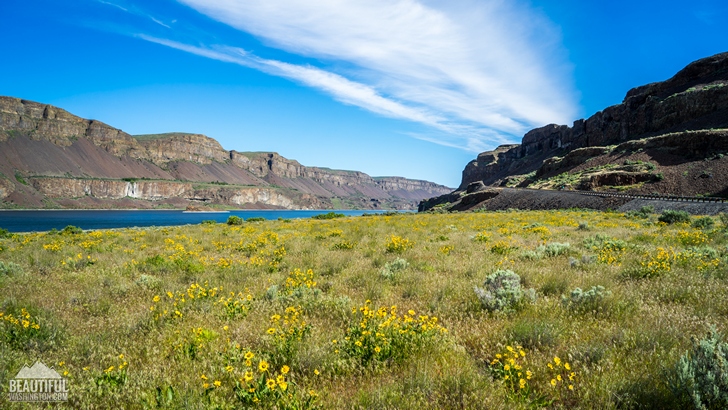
(696, 98)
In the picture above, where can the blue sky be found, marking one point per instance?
(412, 88)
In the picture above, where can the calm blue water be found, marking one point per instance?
(38, 221)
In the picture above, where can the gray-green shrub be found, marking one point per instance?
(502, 291)
(704, 222)
(549, 250)
(149, 282)
(592, 300)
(10, 269)
(390, 269)
(555, 249)
(723, 220)
(643, 213)
(670, 216)
(702, 373)
(531, 255)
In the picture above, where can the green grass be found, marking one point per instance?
(102, 299)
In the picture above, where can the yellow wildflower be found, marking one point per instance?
(263, 366)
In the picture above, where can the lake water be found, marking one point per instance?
(38, 221)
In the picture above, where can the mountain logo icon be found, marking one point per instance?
(38, 371)
(38, 383)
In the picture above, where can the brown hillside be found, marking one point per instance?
(51, 158)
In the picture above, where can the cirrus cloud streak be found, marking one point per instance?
(481, 73)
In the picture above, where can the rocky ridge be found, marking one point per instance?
(653, 126)
(51, 158)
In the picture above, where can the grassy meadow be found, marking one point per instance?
(408, 311)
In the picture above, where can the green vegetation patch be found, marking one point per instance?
(414, 311)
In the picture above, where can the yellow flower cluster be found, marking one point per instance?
(509, 367)
(398, 244)
(692, 259)
(542, 231)
(562, 375)
(692, 238)
(446, 249)
(90, 244)
(299, 280)
(330, 234)
(55, 246)
(23, 321)
(257, 384)
(191, 346)
(381, 334)
(114, 375)
(263, 240)
(482, 237)
(611, 253)
(290, 325)
(179, 252)
(501, 247)
(661, 262)
(78, 262)
(236, 306)
(173, 305)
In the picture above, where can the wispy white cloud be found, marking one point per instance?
(136, 11)
(113, 5)
(344, 90)
(482, 72)
(159, 22)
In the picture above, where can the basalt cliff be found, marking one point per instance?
(50, 158)
(667, 138)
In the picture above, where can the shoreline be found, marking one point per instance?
(226, 211)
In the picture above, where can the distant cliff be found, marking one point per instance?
(593, 154)
(51, 158)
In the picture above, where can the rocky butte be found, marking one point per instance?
(50, 158)
(668, 137)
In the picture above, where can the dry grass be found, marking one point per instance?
(93, 295)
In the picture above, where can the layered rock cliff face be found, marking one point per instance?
(42, 122)
(48, 155)
(695, 98)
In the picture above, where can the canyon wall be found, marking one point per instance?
(54, 154)
(695, 98)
